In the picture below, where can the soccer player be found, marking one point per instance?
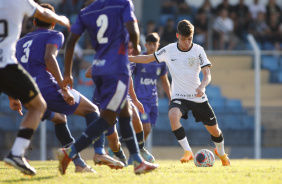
(185, 60)
(108, 23)
(112, 135)
(43, 45)
(145, 84)
(15, 81)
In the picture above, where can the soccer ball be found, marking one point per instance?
(204, 158)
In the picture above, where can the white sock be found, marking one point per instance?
(20, 146)
(184, 143)
(220, 147)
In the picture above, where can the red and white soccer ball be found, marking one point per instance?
(204, 158)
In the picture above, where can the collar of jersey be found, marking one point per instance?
(182, 50)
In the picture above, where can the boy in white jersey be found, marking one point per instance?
(185, 60)
(15, 81)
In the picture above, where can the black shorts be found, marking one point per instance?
(201, 111)
(16, 82)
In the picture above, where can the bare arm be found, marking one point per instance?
(53, 67)
(52, 64)
(133, 96)
(166, 86)
(206, 80)
(47, 15)
(69, 50)
(133, 30)
(142, 58)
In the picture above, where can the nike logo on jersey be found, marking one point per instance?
(143, 70)
(173, 59)
(212, 118)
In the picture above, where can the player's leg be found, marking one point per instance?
(65, 138)
(203, 112)
(217, 138)
(138, 127)
(129, 137)
(90, 111)
(17, 83)
(176, 111)
(115, 145)
(146, 123)
(114, 90)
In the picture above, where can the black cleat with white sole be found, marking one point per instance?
(19, 162)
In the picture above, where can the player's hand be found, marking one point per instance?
(16, 105)
(139, 106)
(64, 21)
(200, 91)
(136, 51)
(68, 80)
(67, 96)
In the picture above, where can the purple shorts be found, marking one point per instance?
(112, 90)
(150, 115)
(56, 103)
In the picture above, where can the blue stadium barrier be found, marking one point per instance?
(234, 105)
(270, 63)
(87, 91)
(268, 46)
(163, 105)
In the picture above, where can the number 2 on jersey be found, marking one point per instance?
(26, 46)
(102, 22)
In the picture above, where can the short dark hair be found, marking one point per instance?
(153, 37)
(185, 28)
(40, 23)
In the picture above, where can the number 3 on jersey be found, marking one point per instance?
(102, 22)
(26, 46)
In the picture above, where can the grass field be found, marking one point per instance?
(170, 171)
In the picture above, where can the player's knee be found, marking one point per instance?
(216, 132)
(173, 116)
(59, 118)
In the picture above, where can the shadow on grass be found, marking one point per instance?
(28, 179)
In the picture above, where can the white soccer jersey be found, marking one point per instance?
(184, 67)
(12, 13)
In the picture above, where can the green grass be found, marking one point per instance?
(170, 171)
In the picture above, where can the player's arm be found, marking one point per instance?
(48, 16)
(53, 67)
(69, 50)
(133, 30)
(166, 86)
(206, 80)
(133, 96)
(142, 58)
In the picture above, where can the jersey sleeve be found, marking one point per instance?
(128, 13)
(56, 39)
(160, 55)
(29, 6)
(78, 27)
(203, 59)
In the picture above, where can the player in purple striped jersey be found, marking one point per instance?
(37, 53)
(145, 84)
(108, 23)
(112, 135)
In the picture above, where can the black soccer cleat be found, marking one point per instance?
(19, 162)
